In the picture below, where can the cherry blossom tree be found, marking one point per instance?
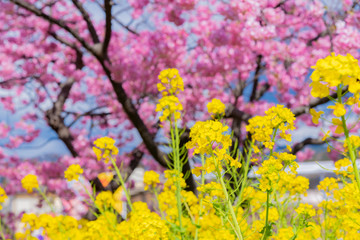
(89, 68)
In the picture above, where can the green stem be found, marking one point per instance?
(177, 165)
(352, 153)
(1, 231)
(128, 198)
(246, 170)
(234, 224)
(157, 199)
(46, 200)
(264, 237)
(351, 150)
(201, 200)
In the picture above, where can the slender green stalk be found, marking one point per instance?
(201, 200)
(157, 200)
(234, 223)
(128, 198)
(246, 170)
(46, 199)
(268, 197)
(1, 231)
(265, 235)
(177, 166)
(351, 150)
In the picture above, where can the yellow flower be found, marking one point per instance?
(216, 107)
(327, 134)
(328, 184)
(333, 71)
(197, 171)
(151, 178)
(315, 115)
(319, 90)
(337, 122)
(73, 172)
(171, 81)
(306, 209)
(204, 135)
(104, 200)
(3, 196)
(339, 109)
(169, 106)
(105, 148)
(29, 182)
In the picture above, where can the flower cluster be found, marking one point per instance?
(216, 107)
(333, 71)
(170, 82)
(151, 178)
(170, 85)
(73, 172)
(208, 135)
(276, 118)
(169, 106)
(105, 148)
(29, 182)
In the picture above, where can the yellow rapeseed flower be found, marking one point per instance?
(169, 106)
(151, 178)
(170, 82)
(73, 172)
(315, 115)
(29, 182)
(306, 209)
(3, 196)
(339, 109)
(216, 107)
(105, 148)
(333, 71)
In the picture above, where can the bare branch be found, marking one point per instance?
(87, 19)
(256, 78)
(308, 141)
(108, 18)
(89, 113)
(54, 119)
(315, 102)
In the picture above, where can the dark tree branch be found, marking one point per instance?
(315, 102)
(126, 27)
(89, 113)
(107, 37)
(260, 93)
(56, 122)
(87, 19)
(308, 141)
(256, 78)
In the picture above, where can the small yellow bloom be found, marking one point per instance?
(29, 182)
(73, 172)
(306, 209)
(216, 107)
(197, 171)
(337, 122)
(315, 115)
(339, 109)
(105, 148)
(151, 178)
(104, 200)
(3, 196)
(327, 134)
